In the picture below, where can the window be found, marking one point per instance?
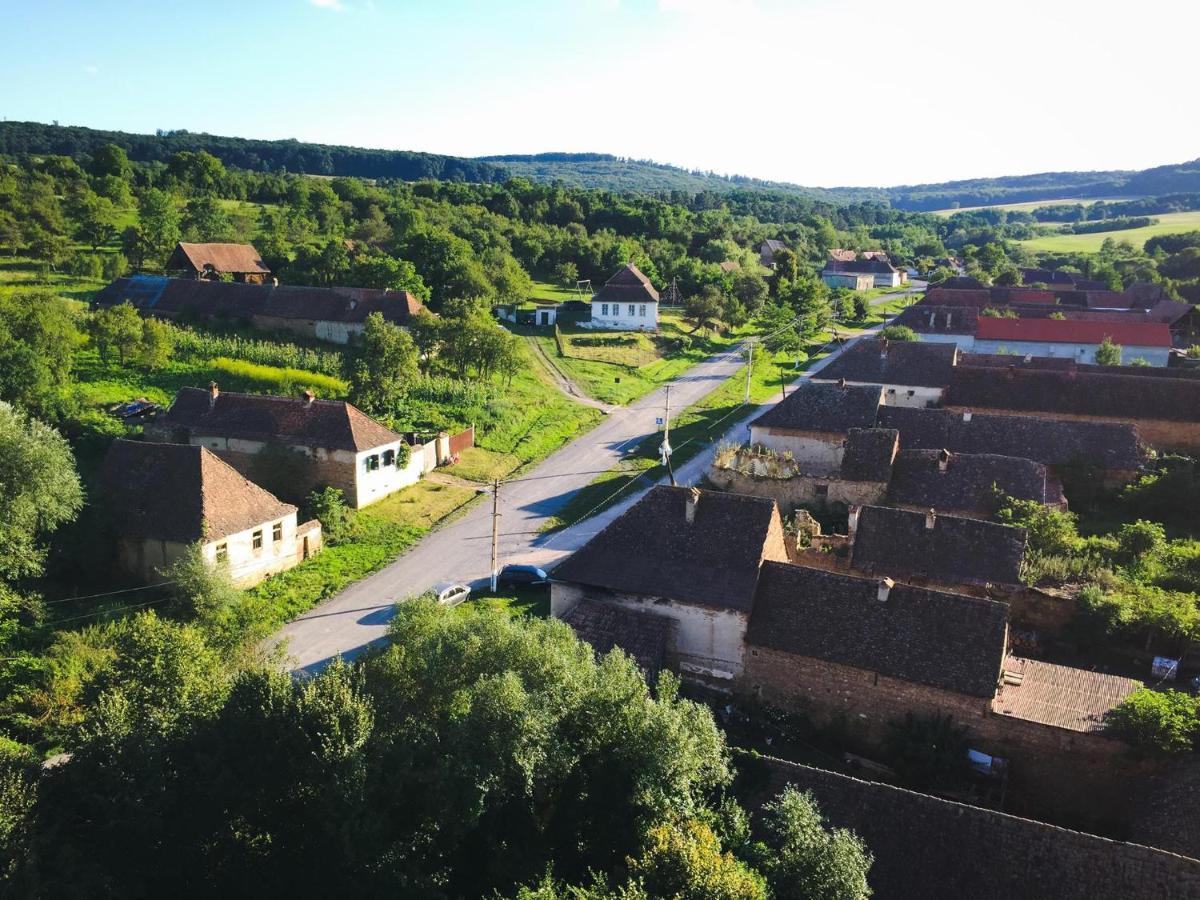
(277, 532)
(389, 457)
(372, 462)
(604, 309)
(821, 490)
(642, 310)
(631, 309)
(256, 539)
(222, 552)
(912, 393)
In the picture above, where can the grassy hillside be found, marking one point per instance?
(1168, 223)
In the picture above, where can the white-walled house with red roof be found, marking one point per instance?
(1073, 339)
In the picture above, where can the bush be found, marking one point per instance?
(328, 506)
(1162, 720)
(1049, 531)
(898, 333)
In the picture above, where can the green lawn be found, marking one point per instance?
(620, 367)
(522, 601)
(544, 290)
(381, 532)
(19, 273)
(1168, 223)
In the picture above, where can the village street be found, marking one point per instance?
(461, 550)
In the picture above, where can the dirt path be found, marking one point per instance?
(562, 382)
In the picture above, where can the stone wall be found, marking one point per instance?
(800, 489)
(934, 849)
(815, 451)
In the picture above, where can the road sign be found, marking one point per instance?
(658, 420)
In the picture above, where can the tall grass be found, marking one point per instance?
(281, 379)
(198, 345)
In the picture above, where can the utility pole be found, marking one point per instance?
(783, 382)
(665, 448)
(749, 370)
(495, 532)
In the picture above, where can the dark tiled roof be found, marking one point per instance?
(967, 481)
(652, 549)
(232, 258)
(1165, 812)
(181, 493)
(628, 285)
(910, 363)
(233, 300)
(934, 849)
(332, 424)
(869, 454)
(1112, 396)
(605, 625)
(1054, 442)
(932, 319)
(824, 406)
(1046, 276)
(939, 639)
(873, 266)
(897, 543)
(1066, 364)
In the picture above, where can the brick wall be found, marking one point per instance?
(1064, 776)
(934, 849)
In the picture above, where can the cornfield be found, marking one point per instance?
(191, 345)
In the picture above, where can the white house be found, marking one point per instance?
(163, 498)
(627, 302)
(296, 444)
(838, 270)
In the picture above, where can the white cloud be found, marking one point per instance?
(335, 5)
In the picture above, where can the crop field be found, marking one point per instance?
(1030, 205)
(1168, 223)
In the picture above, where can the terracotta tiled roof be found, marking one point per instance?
(1054, 442)
(182, 493)
(910, 363)
(652, 549)
(966, 482)
(899, 543)
(939, 639)
(627, 285)
(231, 258)
(824, 406)
(1073, 331)
(1049, 694)
(642, 635)
(331, 424)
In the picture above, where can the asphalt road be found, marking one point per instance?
(461, 551)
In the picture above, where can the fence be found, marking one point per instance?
(464, 440)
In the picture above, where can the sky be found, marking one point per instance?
(816, 92)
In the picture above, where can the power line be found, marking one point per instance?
(104, 612)
(145, 587)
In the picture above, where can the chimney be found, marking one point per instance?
(943, 460)
(1028, 357)
(693, 500)
(1010, 373)
(966, 415)
(883, 348)
(309, 397)
(885, 588)
(841, 382)
(852, 522)
(213, 393)
(930, 519)
(275, 282)
(353, 303)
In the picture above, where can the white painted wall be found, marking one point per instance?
(371, 485)
(887, 279)
(708, 642)
(617, 316)
(817, 454)
(1081, 353)
(247, 565)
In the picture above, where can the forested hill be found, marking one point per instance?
(242, 153)
(607, 172)
(589, 170)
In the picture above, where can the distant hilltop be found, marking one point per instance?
(589, 170)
